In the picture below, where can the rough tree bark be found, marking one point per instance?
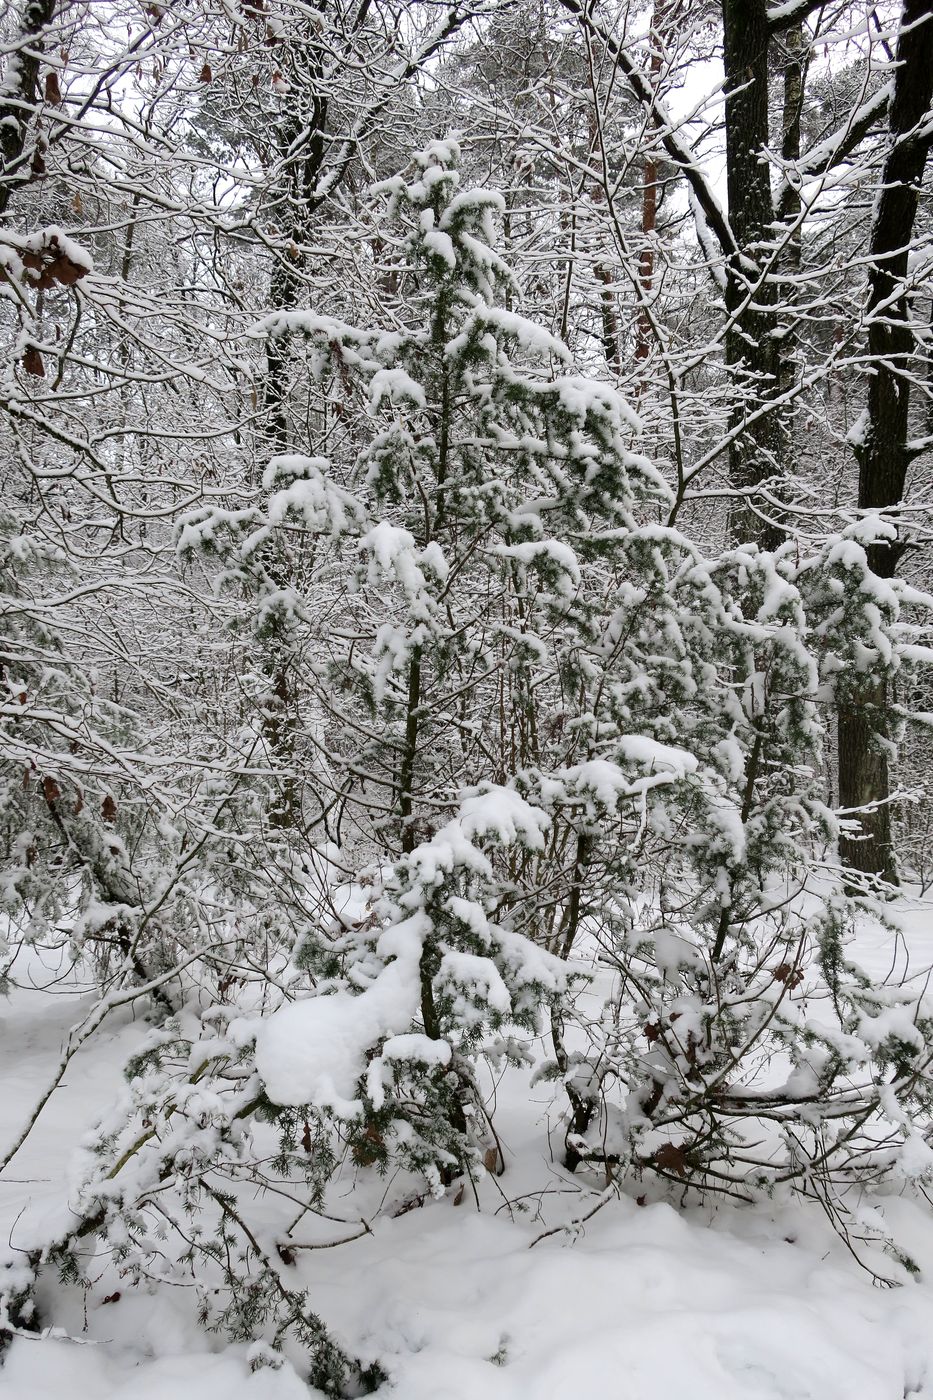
(18, 98)
(302, 142)
(789, 201)
(757, 453)
(884, 455)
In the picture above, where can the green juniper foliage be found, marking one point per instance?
(537, 741)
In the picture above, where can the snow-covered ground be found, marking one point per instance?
(639, 1302)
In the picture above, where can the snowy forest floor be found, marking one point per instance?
(640, 1302)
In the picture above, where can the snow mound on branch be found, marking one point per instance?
(609, 783)
(502, 813)
(309, 493)
(639, 748)
(314, 1051)
(399, 1049)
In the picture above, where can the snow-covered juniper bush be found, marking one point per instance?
(555, 772)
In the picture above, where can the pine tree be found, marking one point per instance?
(480, 486)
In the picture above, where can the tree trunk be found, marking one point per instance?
(789, 207)
(884, 456)
(649, 204)
(302, 143)
(757, 452)
(20, 93)
(864, 783)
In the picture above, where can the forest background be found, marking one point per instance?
(465, 580)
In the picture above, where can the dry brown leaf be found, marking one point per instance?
(32, 362)
(671, 1158)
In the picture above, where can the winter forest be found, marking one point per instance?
(466, 702)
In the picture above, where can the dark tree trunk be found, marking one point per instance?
(756, 454)
(649, 223)
(864, 783)
(612, 348)
(789, 207)
(15, 113)
(755, 360)
(884, 456)
(302, 143)
(302, 139)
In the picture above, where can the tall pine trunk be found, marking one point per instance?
(752, 359)
(884, 455)
(301, 143)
